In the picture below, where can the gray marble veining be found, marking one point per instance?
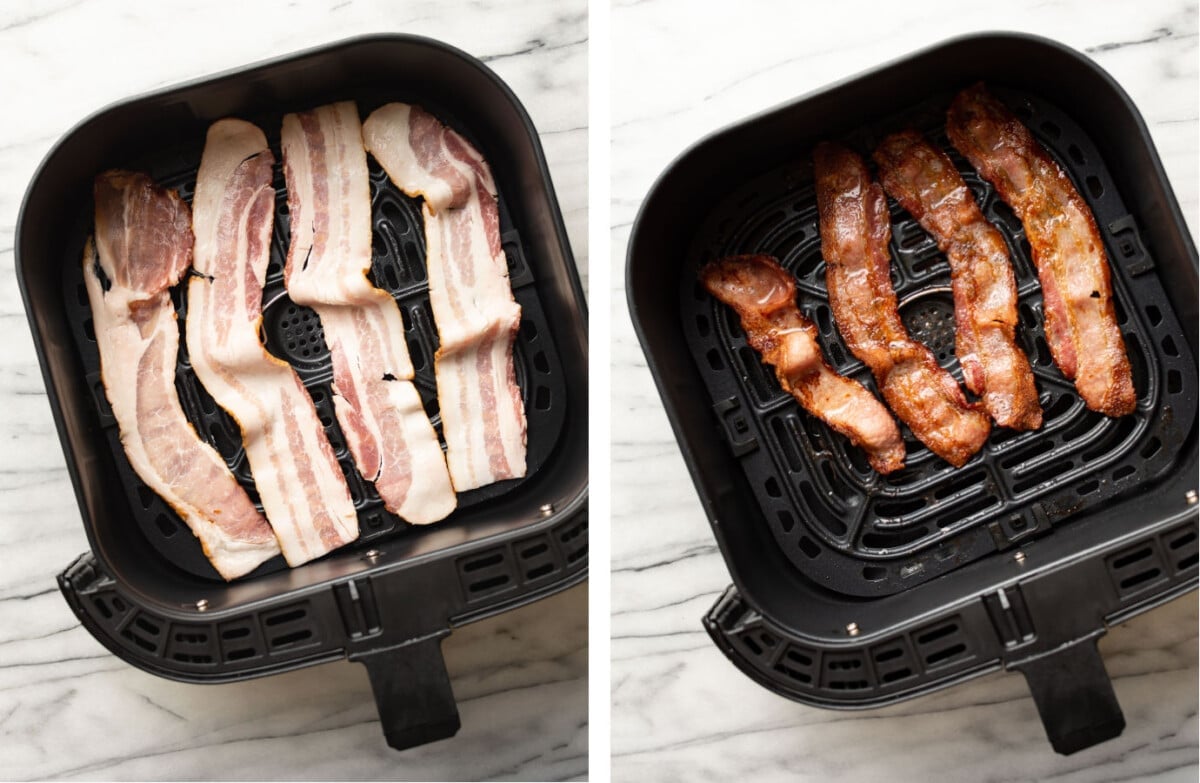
(680, 710)
(70, 709)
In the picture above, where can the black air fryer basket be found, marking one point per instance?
(145, 590)
(854, 590)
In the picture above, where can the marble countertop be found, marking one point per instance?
(70, 709)
(680, 710)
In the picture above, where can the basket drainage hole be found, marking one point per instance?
(1174, 382)
(874, 574)
(1094, 186)
(772, 487)
(714, 360)
(889, 655)
(235, 633)
(1154, 314)
(787, 522)
(808, 547)
(1076, 155)
(237, 655)
(484, 562)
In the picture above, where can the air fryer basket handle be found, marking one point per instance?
(1074, 696)
(412, 692)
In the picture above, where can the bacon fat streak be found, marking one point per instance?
(1081, 322)
(925, 182)
(143, 246)
(483, 415)
(298, 478)
(764, 296)
(855, 230)
(378, 407)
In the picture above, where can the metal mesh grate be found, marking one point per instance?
(860, 533)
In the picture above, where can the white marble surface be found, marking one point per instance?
(69, 709)
(680, 710)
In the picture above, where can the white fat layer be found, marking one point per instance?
(361, 323)
(297, 482)
(122, 345)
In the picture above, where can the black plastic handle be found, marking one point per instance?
(412, 692)
(1074, 696)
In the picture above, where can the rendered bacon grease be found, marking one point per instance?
(299, 481)
(483, 415)
(378, 407)
(855, 230)
(143, 246)
(925, 182)
(764, 296)
(1081, 322)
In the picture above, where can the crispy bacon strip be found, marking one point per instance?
(1081, 323)
(143, 246)
(298, 478)
(764, 296)
(376, 403)
(483, 415)
(854, 239)
(925, 182)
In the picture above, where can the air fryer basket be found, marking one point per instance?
(852, 589)
(145, 590)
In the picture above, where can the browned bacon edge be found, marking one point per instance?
(142, 247)
(764, 296)
(925, 182)
(1081, 322)
(855, 230)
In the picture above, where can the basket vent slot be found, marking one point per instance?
(942, 644)
(537, 558)
(1137, 568)
(1181, 548)
(893, 662)
(846, 672)
(486, 574)
(798, 664)
(145, 632)
(573, 539)
(290, 627)
(191, 644)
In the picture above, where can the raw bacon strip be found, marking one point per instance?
(1081, 323)
(300, 482)
(764, 296)
(377, 405)
(854, 239)
(143, 246)
(925, 182)
(483, 416)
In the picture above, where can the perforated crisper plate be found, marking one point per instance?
(859, 533)
(293, 333)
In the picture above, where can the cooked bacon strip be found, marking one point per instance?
(377, 405)
(483, 416)
(925, 182)
(298, 478)
(854, 239)
(1081, 323)
(143, 246)
(764, 296)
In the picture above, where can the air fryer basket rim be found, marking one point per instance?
(359, 607)
(683, 437)
(580, 301)
(760, 645)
